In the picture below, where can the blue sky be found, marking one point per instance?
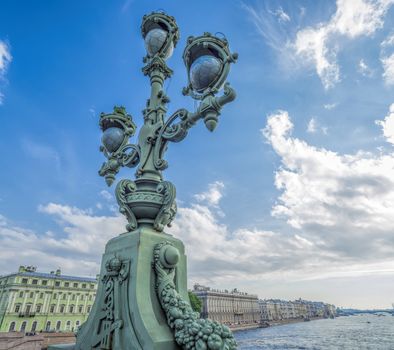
(292, 195)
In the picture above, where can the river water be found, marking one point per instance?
(362, 332)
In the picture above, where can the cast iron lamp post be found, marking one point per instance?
(142, 300)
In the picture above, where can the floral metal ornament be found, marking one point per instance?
(191, 331)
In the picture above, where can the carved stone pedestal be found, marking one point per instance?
(127, 314)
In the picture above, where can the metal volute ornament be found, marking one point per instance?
(149, 200)
(142, 301)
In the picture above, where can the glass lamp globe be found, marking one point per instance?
(112, 138)
(155, 40)
(204, 71)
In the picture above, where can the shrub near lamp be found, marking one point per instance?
(142, 301)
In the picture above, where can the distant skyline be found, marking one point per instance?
(291, 196)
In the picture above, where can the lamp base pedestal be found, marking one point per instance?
(127, 314)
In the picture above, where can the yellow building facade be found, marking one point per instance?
(31, 301)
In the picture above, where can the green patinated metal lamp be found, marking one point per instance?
(142, 301)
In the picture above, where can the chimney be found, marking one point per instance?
(58, 272)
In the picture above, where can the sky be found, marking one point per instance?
(291, 196)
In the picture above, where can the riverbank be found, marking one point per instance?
(288, 321)
(237, 328)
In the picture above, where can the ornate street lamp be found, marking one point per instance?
(142, 300)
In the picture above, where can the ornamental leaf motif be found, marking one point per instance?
(123, 188)
(191, 332)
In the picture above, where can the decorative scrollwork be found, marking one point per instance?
(130, 159)
(191, 332)
(157, 64)
(117, 271)
(169, 207)
(124, 188)
(170, 132)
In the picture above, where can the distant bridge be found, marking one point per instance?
(349, 312)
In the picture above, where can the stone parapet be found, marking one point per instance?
(20, 341)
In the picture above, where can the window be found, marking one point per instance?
(24, 280)
(55, 296)
(34, 282)
(90, 297)
(68, 325)
(58, 325)
(52, 308)
(57, 284)
(89, 308)
(92, 286)
(84, 285)
(12, 327)
(48, 326)
(34, 326)
(41, 295)
(31, 295)
(23, 326)
(75, 285)
(71, 309)
(80, 309)
(64, 296)
(28, 308)
(77, 323)
(62, 308)
(20, 294)
(44, 282)
(38, 308)
(66, 284)
(82, 297)
(17, 307)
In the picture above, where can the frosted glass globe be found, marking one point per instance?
(155, 40)
(204, 70)
(112, 138)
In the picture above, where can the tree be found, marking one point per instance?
(195, 302)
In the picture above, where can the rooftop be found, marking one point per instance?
(30, 271)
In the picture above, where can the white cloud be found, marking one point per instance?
(387, 59)
(311, 128)
(364, 69)
(314, 127)
(217, 254)
(330, 106)
(77, 249)
(92, 111)
(5, 59)
(388, 125)
(342, 203)
(281, 15)
(352, 19)
(213, 195)
(317, 46)
(107, 196)
(311, 45)
(5, 56)
(270, 26)
(388, 68)
(389, 41)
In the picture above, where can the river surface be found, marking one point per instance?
(362, 332)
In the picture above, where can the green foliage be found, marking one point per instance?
(195, 302)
